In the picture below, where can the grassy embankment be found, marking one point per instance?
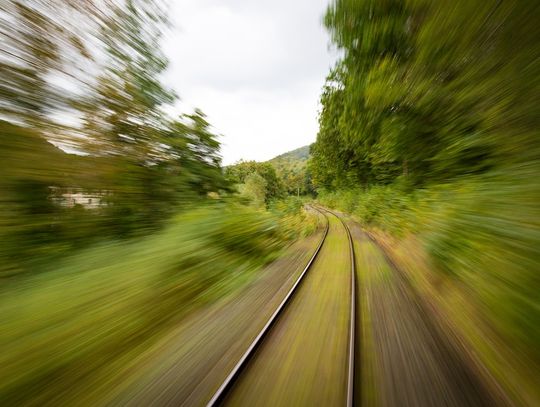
(471, 248)
(67, 327)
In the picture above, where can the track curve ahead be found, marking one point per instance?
(352, 323)
(299, 354)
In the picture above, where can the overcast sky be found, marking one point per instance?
(255, 68)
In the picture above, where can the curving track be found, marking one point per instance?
(272, 369)
(353, 318)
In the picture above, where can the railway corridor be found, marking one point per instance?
(303, 360)
(407, 359)
(286, 339)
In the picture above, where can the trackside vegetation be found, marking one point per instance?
(68, 324)
(116, 218)
(429, 128)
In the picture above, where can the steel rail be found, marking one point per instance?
(233, 375)
(352, 326)
(352, 323)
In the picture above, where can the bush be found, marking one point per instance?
(294, 220)
(482, 230)
(69, 323)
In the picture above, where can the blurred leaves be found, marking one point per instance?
(429, 125)
(83, 317)
(429, 90)
(87, 150)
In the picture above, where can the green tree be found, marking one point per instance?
(431, 94)
(41, 43)
(100, 61)
(238, 173)
(159, 163)
(424, 90)
(254, 189)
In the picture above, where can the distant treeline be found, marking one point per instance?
(263, 182)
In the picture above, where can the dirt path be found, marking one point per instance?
(407, 360)
(303, 361)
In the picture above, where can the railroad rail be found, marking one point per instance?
(236, 371)
(352, 323)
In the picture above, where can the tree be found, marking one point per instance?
(254, 189)
(420, 91)
(159, 163)
(41, 43)
(100, 62)
(238, 173)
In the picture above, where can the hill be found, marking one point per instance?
(300, 154)
(291, 160)
(291, 169)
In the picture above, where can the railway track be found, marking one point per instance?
(240, 369)
(352, 322)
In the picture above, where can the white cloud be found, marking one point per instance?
(255, 68)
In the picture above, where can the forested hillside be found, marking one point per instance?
(283, 175)
(429, 130)
(300, 154)
(291, 168)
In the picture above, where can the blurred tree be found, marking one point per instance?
(40, 48)
(238, 173)
(431, 94)
(124, 118)
(160, 163)
(254, 189)
(85, 77)
(427, 90)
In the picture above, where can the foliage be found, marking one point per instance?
(92, 309)
(98, 65)
(254, 189)
(295, 220)
(482, 230)
(286, 174)
(238, 173)
(429, 90)
(429, 125)
(291, 168)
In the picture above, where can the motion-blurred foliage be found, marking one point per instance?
(241, 172)
(78, 319)
(86, 148)
(291, 168)
(89, 158)
(429, 125)
(295, 221)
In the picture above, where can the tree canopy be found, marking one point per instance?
(428, 90)
(91, 151)
(239, 172)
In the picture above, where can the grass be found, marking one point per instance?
(65, 327)
(366, 385)
(479, 235)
